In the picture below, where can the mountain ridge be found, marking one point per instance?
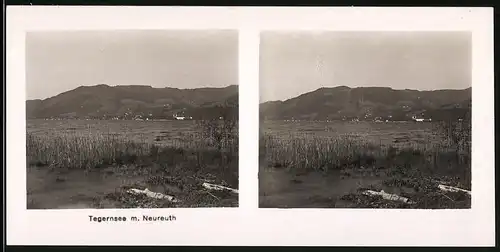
(102, 101)
(370, 103)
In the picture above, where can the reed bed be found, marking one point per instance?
(86, 149)
(80, 150)
(315, 153)
(450, 149)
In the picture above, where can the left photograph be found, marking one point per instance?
(132, 119)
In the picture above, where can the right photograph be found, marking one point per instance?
(365, 119)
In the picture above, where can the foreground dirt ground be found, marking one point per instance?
(107, 188)
(279, 188)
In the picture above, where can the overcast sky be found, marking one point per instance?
(60, 61)
(293, 63)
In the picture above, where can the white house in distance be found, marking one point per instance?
(417, 119)
(176, 117)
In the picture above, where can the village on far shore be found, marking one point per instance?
(178, 117)
(182, 115)
(174, 117)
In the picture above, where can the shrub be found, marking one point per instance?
(221, 134)
(456, 134)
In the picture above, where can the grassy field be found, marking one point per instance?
(315, 164)
(92, 164)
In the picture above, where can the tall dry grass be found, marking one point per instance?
(450, 150)
(316, 153)
(80, 151)
(88, 150)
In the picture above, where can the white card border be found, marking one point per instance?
(248, 225)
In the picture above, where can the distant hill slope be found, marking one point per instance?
(368, 103)
(128, 102)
